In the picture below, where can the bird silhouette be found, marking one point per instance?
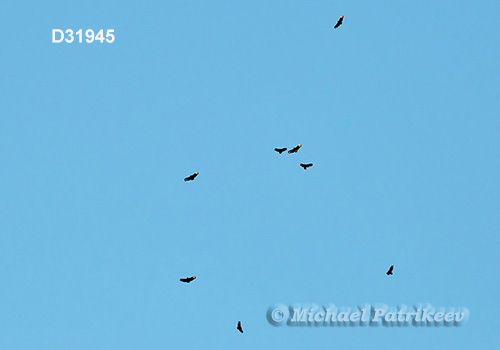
(280, 150)
(187, 279)
(305, 166)
(239, 327)
(339, 22)
(191, 177)
(390, 270)
(295, 149)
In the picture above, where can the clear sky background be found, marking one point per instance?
(398, 110)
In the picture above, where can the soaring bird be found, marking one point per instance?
(280, 150)
(305, 166)
(187, 279)
(191, 177)
(390, 270)
(239, 327)
(339, 22)
(295, 149)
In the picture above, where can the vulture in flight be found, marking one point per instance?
(280, 150)
(339, 22)
(239, 327)
(295, 149)
(187, 279)
(305, 166)
(191, 177)
(390, 270)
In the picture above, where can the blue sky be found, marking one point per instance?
(398, 110)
